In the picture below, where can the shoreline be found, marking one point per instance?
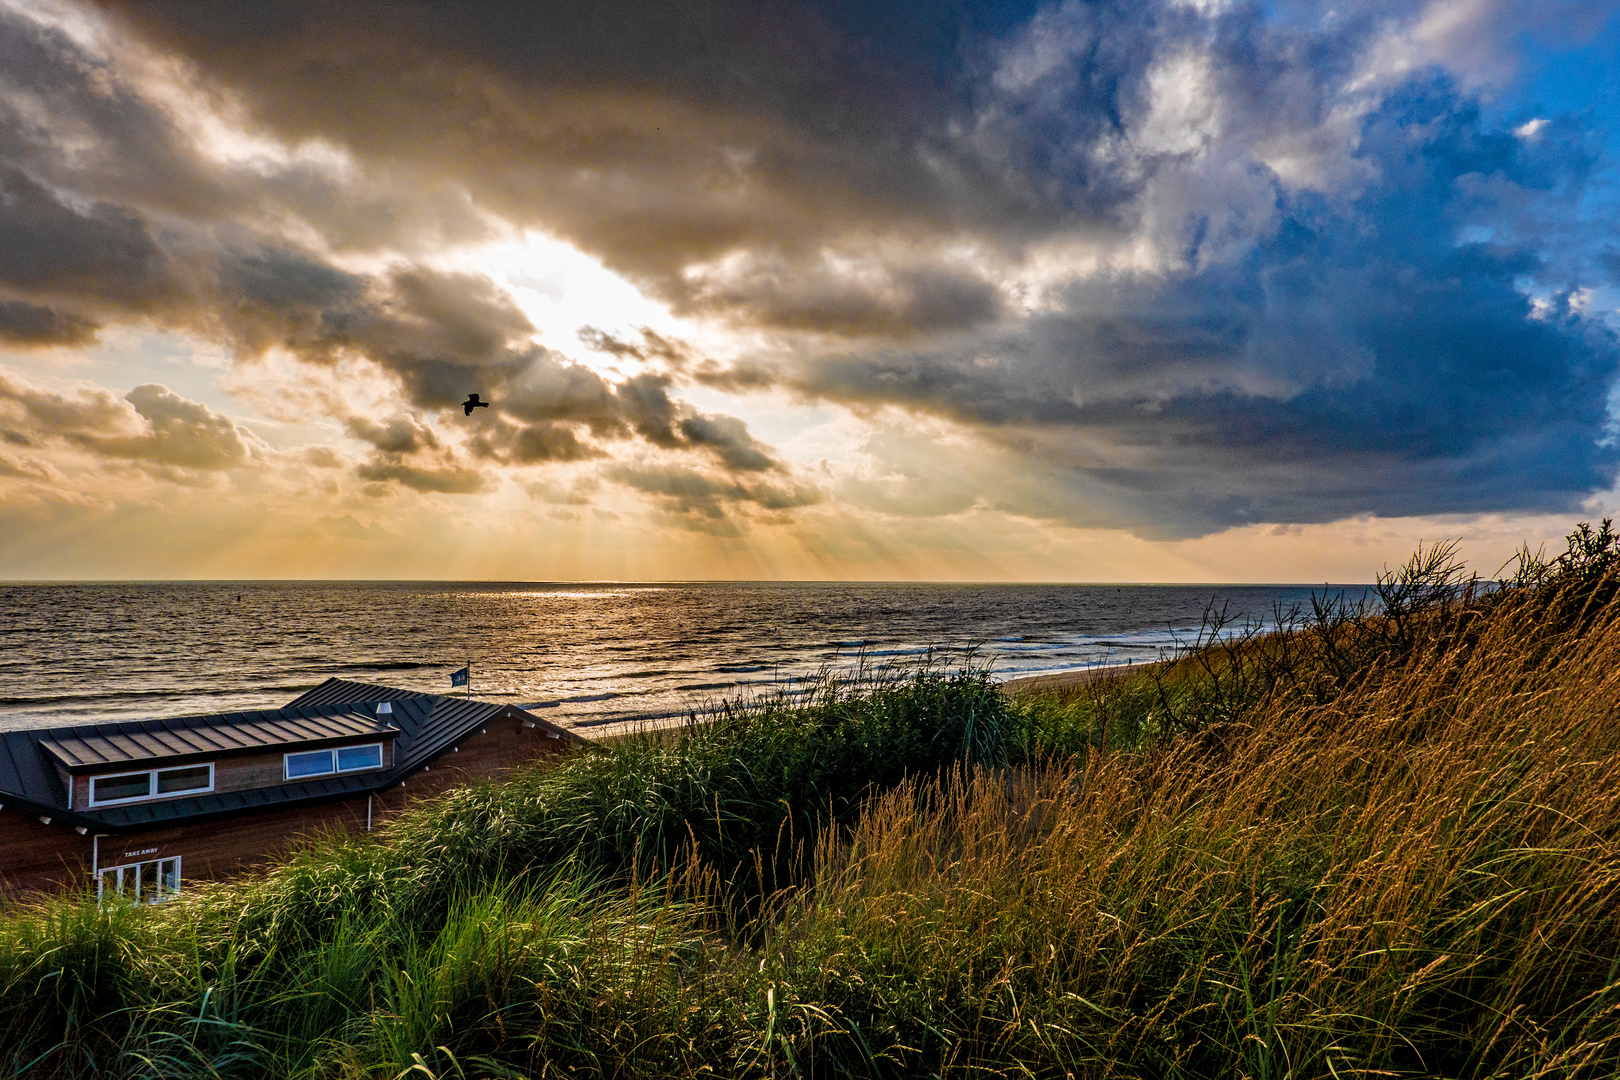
(613, 725)
(1060, 680)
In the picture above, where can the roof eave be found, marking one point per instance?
(137, 764)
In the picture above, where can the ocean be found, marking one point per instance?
(597, 653)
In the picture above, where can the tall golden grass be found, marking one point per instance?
(1385, 842)
(1420, 876)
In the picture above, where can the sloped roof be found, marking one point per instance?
(139, 815)
(348, 692)
(423, 726)
(26, 774)
(186, 738)
(428, 723)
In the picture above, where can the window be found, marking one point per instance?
(175, 781)
(355, 758)
(314, 763)
(153, 783)
(326, 762)
(150, 882)
(105, 789)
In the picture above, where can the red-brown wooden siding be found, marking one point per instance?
(231, 774)
(36, 857)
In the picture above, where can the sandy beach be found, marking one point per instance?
(1060, 679)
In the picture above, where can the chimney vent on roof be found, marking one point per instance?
(385, 708)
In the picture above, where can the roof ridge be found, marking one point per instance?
(187, 721)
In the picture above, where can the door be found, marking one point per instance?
(150, 882)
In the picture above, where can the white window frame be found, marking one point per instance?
(332, 756)
(119, 874)
(152, 793)
(286, 764)
(337, 756)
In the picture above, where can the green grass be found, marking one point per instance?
(1384, 842)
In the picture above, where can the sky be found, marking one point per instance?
(1155, 290)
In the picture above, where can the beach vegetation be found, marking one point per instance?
(1376, 837)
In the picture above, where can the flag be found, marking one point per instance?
(459, 678)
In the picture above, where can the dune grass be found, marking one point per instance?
(1384, 841)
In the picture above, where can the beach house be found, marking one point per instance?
(139, 807)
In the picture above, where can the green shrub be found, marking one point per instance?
(1384, 842)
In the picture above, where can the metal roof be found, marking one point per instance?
(26, 774)
(429, 723)
(423, 726)
(140, 815)
(197, 737)
(349, 692)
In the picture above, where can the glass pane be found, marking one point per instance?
(359, 757)
(168, 877)
(149, 883)
(128, 786)
(172, 781)
(314, 763)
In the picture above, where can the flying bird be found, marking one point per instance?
(472, 403)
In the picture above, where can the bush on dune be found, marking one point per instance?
(1385, 841)
(1423, 879)
(733, 803)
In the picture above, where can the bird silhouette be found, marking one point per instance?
(472, 403)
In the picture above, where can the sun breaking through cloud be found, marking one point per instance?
(1058, 290)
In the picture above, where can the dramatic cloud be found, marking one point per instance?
(150, 426)
(705, 500)
(1162, 267)
(1355, 360)
(30, 324)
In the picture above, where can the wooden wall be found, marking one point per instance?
(39, 857)
(35, 856)
(230, 774)
(226, 846)
(501, 746)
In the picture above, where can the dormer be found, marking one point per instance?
(161, 762)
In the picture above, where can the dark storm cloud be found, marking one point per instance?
(27, 324)
(1358, 361)
(73, 122)
(108, 210)
(704, 497)
(728, 438)
(103, 253)
(438, 334)
(659, 136)
(719, 154)
(908, 301)
(1306, 294)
